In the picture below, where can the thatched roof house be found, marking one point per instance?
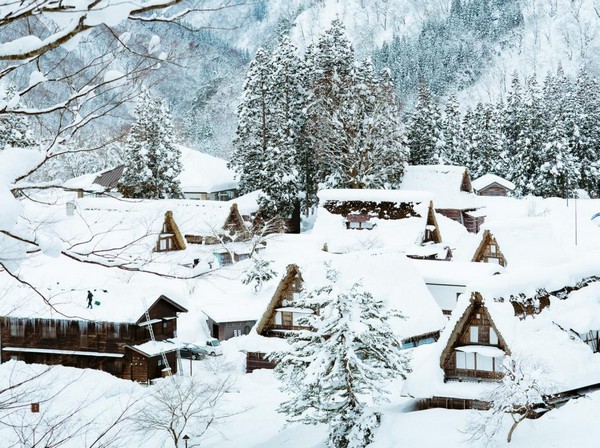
(549, 317)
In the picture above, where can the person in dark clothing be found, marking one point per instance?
(90, 297)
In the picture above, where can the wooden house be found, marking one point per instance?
(205, 177)
(405, 221)
(451, 189)
(97, 184)
(90, 316)
(492, 185)
(217, 224)
(505, 318)
(122, 348)
(517, 242)
(379, 273)
(170, 237)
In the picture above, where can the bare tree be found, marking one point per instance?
(524, 389)
(179, 406)
(54, 424)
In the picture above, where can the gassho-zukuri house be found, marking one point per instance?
(350, 220)
(388, 276)
(550, 317)
(95, 317)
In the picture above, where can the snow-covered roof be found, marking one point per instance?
(444, 182)
(389, 277)
(522, 241)
(396, 196)
(203, 173)
(391, 234)
(64, 284)
(454, 272)
(544, 338)
(488, 179)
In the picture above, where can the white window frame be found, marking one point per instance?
(474, 333)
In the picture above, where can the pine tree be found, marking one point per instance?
(152, 160)
(452, 151)
(330, 65)
(252, 134)
(15, 130)
(485, 141)
(423, 131)
(560, 169)
(335, 369)
(586, 135)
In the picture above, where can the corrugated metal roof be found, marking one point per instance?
(110, 178)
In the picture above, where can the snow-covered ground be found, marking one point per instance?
(254, 398)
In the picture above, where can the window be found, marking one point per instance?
(476, 361)
(160, 362)
(287, 318)
(465, 361)
(485, 363)
(237, 333)
(492, 249)
(493, 337)
(473, 334)
(49, 331)
(493, 260)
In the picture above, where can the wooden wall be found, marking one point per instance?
(493, 190)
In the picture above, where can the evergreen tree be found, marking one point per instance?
(286, 101)
(330, 64)
(485, 141)
(253, 133)
(15, 130)
(335, 369)
(586, 134)
(453, 150)
(423, 133)
(152, 159)
(559, 170)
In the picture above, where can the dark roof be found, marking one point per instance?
(110, 178)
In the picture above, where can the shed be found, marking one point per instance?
(492, 185)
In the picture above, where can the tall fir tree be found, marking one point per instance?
(559, 170)
(253, 128)
(423, 133)
(15, 129)
(336, 369)
(585, 141)
(452, 151)
(330, 64)
(485, 141)
(152, 159)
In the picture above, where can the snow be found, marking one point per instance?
(36, 77)
(492, 352)
(488, 179)
(397, 196)
(52, 351)
(203, 173)
(155, 348)
(442, 181)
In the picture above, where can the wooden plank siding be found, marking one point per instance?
(494, 189)
(477, 316)
(43, 340)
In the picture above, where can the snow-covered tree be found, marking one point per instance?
(423, 132)
(260, 273)
(452, 151)
(336, 369)
(152, 159)
(252, 139)
(15, 130)
(524, 388)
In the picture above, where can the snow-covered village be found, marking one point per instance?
(299, 223)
